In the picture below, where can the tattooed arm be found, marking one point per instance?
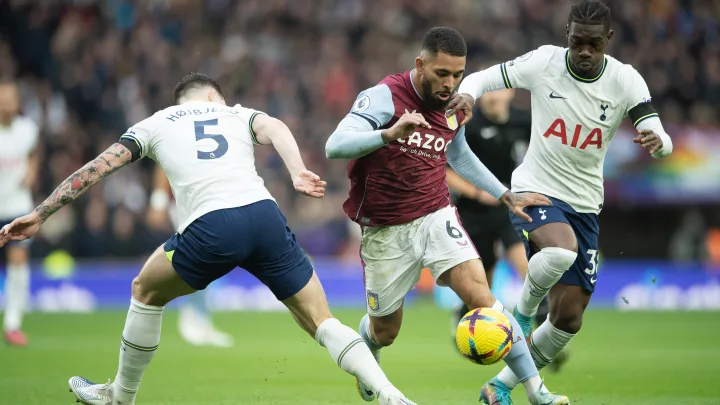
(115, 157)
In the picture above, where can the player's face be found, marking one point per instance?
(440, 77)
(9, 102)
(587, 45)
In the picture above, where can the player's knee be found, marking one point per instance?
(568, 320)
(147, 295)
(385, 336)
(560, 258)
(385, 330)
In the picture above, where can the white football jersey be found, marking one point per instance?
(206, 151)
(17, 142)
(573, 121)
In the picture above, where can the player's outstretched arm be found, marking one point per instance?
(269, 130)
(466, 164)
(354, 138)
(464, 187)
(115, 157)
(523, 72)
(472, 87)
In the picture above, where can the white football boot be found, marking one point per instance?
(89, 393)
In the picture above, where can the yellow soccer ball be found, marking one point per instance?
(484, 336)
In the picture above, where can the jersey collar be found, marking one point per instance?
(413, 84)
(580, 78)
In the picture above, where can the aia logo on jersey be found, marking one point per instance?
(557, 128)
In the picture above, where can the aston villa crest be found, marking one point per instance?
(452, 122)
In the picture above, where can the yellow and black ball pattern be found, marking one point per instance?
(484, 336)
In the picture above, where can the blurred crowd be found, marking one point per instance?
(88, 69)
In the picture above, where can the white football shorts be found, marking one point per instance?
(394, 256)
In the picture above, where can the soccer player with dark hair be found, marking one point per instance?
(497, 135)
(227, 219)
(580, 96)
(399, 138)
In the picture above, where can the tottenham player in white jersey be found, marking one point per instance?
(195, 323)
(227, 219)
(18, 168)
(580, 96)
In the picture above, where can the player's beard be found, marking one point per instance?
(431, 102)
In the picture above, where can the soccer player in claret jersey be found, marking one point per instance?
(400, 138)
(227, 219)
(580, 96)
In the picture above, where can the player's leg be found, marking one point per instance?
(568, 298)
(567, 303)
(454, 262)
(195, 323)
(390, 270)
(157, 284)
(554, 244)
(381, 331)
(347, 349)
(542, 315)
(286, 270)
(571, 295)
(17, 292)
(485, 244)
(542, 312)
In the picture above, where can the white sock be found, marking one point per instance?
(350, 352)
(17, 292)
(139, 343)
(544, 270)
(546, 342)
(519, 357)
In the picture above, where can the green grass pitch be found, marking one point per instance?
(619, 358)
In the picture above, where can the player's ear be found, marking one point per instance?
(610, 35)
(419, 63)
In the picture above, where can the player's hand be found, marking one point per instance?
(309, 184)
(461, 102)
(405, 126)
(22, 228)
(649, 140)
(518, 201)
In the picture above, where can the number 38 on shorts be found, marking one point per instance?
(394, 256)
